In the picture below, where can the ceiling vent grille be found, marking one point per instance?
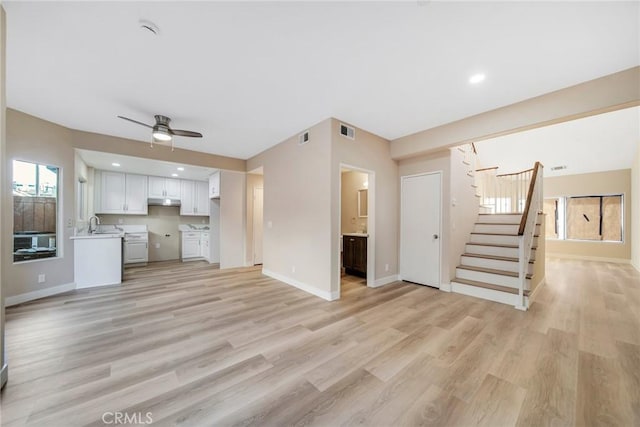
(559, 168)
(347, 131)
(303, 138)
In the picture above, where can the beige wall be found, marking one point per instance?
(350, 222)
(438, 161)
(253, 181)
(611, 182)
(3, 195)
(35, 140)
(129, 147)
(635, 210)
(370, 153)
(612, 92)
(161, 221)
(297, 205)
(233, 203)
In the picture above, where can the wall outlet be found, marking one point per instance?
(269, 224)
(41, 278)
(386, 267)
(120, 221)
(157, 245)
(293, 268)
(70, 222)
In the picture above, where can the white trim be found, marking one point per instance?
(445, 287)
(588, 258)
(329, 296)
(4, 375)
(634, 265)
(533, 294)
(41, 293)
(484, 293)
(384, 281)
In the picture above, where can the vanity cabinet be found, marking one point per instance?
(354, 255)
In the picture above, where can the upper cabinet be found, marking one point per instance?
(120, 193)
(164, 188)
(214, 185)
(194, 198)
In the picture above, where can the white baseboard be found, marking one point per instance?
(384, 281)
(588, 258)
(446, 287)
(4, 375)
(41, 293)
(329, 296)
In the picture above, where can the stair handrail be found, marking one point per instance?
(526, 231)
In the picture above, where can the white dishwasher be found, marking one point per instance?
(136, 247)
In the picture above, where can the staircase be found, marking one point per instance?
(499, 257)
(489, 266)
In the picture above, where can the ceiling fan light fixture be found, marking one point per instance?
(161, 133)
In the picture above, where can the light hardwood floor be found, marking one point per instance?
(192, 345)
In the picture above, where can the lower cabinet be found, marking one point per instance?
(354, 255)
(191, 245)
(195, 244)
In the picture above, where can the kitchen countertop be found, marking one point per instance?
(193, 227)
(98, 236)
(356, 234)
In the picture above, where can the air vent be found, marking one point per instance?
(303, 138)
(558, 168)
(347, 131)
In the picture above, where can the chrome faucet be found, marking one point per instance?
(91, 228)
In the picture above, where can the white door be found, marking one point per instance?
(257, 225)
(420, 229)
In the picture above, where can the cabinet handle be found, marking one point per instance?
(352, 240)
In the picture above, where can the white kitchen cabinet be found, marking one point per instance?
(164, 188)
(191, 247)
(121, 193)
(194, 198)
(214, 185)
(204, 245)
(136, 252)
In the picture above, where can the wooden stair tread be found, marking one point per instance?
(506, 289)
(496, 257)
(491, 271)
(501, 223)
(497, 245)
(501, 234)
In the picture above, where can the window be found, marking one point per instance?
(590, 218)
(35, 211)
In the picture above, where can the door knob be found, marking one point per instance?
(435, 236)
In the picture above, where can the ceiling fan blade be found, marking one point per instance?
(185, 133)
(136, 122)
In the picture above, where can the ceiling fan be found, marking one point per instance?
(162, 131)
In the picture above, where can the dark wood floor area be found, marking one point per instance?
(187, 344)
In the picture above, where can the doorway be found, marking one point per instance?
(356, 227)
(257, 225)
(420, 228)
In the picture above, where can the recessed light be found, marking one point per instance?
(174, 174)
(477, 78)
(180, 168)
(115, 164)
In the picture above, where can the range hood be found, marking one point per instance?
(164, 202)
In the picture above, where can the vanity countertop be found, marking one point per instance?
(356, 234)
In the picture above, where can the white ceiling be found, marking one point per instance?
(593, 144)
(251, 74)
(128, 164)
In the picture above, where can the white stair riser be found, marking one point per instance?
(496, 264)
(507, 219)
(494, 250)
(500, 228)
(497, 239)
(488, 294)
(491, 278)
